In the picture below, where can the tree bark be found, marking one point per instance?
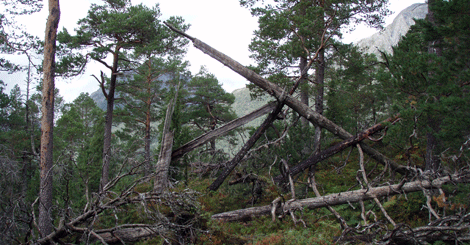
(201, 140)
(47, 121)
(164, 159)
(341, 198)
(304, 90)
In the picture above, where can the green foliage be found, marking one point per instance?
(427, 80)
(292, 32)
(78, 140)
(208, 105)
(116, 27)
(355, 100)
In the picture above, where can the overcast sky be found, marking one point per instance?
(223, 24)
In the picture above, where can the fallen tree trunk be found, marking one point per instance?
(280, 94)
(341, 198)
(201, 140)
(123, 235)
(320, 156)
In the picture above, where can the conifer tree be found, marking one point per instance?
(143, 97)
(294, 35)
(208, 105)
(115, 29)
(430, 89)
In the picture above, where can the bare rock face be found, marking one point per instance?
(391, 34)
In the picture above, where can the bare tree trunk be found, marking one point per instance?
(109, 120)
(47, 121)
(164, 159)
(341, 198)
(147, 156)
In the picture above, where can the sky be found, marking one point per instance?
(223, 24)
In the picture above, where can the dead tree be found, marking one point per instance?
(164, 159)
(341, 198)
(47, 120)
(280, 94)
(201, 140)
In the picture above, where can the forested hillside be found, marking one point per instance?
(330, 143)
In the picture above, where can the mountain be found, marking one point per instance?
(391, 34)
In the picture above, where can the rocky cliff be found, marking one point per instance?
(391, 34)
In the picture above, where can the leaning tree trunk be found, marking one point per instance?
(280, 94)
(241, 154)
(47, 121)
(201, 140)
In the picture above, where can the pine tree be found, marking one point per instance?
(294, 35)
(430, 89)
(143, 98)
(208, 105)
(114, 29)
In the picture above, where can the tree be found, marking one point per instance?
(143, 96)
(112, 29)
(76, 151)
(47, 121)
(208, 104)
(14, 40)
(355, 100)
(429, 80)
(293, 35)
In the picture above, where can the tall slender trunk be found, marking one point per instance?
(148, 117)
(147, 140)
(304, 94)
(47, 120)
(319, 80)
(109, 121)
